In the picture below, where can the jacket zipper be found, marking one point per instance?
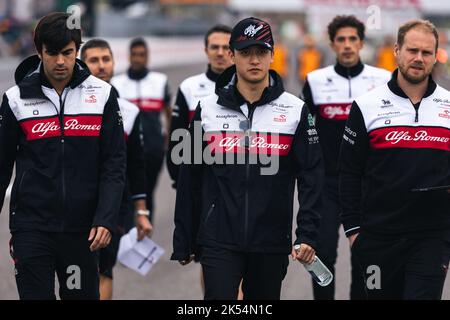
(247, 171)
(63, 174)
(416, 118)
(138, 91)
(60, 114)
(349, 83)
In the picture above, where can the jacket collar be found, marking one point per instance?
(113, 89)
(230, 97)
(137, 75)
(395, 88)
(211, 75)
(30, 76)
(351, 71)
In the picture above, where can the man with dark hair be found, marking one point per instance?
(193, 88)
(149, 90)
(244, 226)
(329, 93)
(97, 54)
(105, 58)
(394, 175)
(63, 129)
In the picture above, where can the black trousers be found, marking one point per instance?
(328, 243)
(153, 164)
(402, 268)
(38, 255)
(261, 274)
(108, 255)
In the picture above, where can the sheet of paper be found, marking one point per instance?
(139, 256)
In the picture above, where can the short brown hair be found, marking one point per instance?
(417, 24)
(219, 28)
(94, 43)
(345, 21)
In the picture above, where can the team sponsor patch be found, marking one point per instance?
(410, 137)
(87, 126)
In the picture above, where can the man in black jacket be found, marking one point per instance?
(194, 88)
(394, 175)
(329, 93)
(97, 55)
(63, 129)
(244, 227)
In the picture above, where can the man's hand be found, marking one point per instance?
(143, 226)
(185, 262)
(101, 237)
(304, 254)
(352, 238)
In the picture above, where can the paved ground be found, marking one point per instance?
(169, 280)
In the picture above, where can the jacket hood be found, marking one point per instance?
(230, 97)
(29, 73)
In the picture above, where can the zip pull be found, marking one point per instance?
(416, 108)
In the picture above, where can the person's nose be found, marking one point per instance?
(254, 59)
(418, 57)
(220, 51)
(60, 59)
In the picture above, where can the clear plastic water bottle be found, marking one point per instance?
(320, 273)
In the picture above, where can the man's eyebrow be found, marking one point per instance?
(67, 50)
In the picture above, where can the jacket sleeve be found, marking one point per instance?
(9, 139)
(308, 97)
(112, 166)
(135, 162)
(180, 120)
(352, 162)
(188, 200)
(310, 179)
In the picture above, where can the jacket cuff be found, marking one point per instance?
(140, 196)
(308, 241)
(178, 256)
(351, 229)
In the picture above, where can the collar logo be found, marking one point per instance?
(386, 103)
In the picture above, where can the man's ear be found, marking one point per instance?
(396, 50)
(332, 46)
